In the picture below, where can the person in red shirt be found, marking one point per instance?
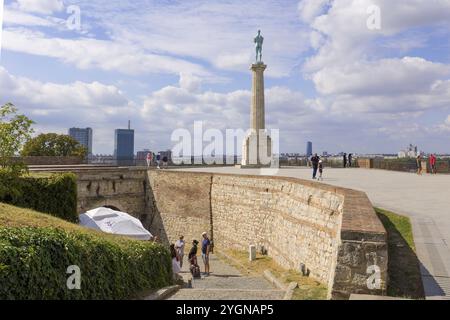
(149, 159)
(433, 164)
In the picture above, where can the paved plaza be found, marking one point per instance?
(425, 199)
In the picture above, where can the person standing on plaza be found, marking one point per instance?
(350, 159)
(176, 269)
(321, 170)
(158, 161)
(179, 246)
(192, 258)
(165, 161)
(433, 160)
(206, 246)
(419, 164)
(315, 164)
(345, 160)
(149, 159)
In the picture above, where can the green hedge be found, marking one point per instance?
(55, 195)
(34, 261)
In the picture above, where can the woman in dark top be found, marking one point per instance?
(194, 249)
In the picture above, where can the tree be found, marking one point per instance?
(15, 131)
(53, 145)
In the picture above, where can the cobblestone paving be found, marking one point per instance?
(226, 283)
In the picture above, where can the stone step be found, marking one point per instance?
(233, 282)
(227, 294)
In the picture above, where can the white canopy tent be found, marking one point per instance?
(114, 222)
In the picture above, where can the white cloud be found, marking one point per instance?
(15, 17)
(189, 82)
(357, 70)
(41, 6)
(344, 26)
(216, 33)
(310, 9)
(88, 53)
(383, 77)
(43, 97)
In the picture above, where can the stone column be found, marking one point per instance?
(258, 106)
(257, 142)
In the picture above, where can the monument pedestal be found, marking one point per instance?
(257, 150)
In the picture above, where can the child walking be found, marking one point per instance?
(320, 170)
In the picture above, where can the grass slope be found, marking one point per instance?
(405, 280)
(36, 249)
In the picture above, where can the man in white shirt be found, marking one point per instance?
(179, 246)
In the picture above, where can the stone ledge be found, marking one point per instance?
(163, 293)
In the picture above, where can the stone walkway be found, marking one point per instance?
(226, 283)
(425, 199)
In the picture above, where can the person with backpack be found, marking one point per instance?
(192, 257)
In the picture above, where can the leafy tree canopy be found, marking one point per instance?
(53, 145)
(15, 131)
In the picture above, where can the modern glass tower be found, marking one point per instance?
(124, 146)
(83, 136)
(309, 149)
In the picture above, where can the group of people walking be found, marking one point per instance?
(347, 160)
(177, 252)
(318, 165)
(432, 160)
(160, 161)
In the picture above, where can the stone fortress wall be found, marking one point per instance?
(333, 232)
(122, 189)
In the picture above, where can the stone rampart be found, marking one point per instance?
(331, 233)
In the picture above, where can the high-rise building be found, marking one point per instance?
(124, 145)
(309, 149)
(83, 136)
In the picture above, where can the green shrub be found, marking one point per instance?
(34, 261)
(55, 195)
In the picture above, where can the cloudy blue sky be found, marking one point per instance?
(165, 64)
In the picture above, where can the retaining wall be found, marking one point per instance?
(333, 232)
